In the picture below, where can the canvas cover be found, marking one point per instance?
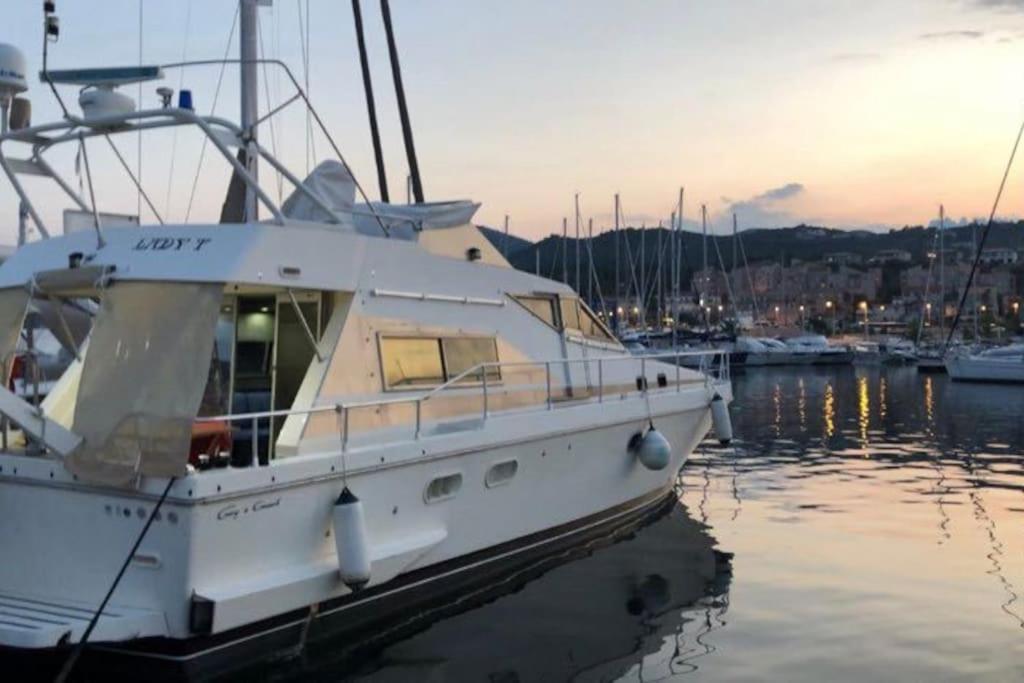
(333, 184)
(13, 305)
(142, 380)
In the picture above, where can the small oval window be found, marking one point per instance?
(443, 487)
(501, 473)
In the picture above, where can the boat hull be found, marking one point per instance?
(975, 369)
(264, 559)
(359, 621)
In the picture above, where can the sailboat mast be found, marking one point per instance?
(576, 208)
(371, 107)
(565, 248)
(618, 289)
(643, 273)
(942, 271)
(249, 84)
(732, 271)
(591, 272)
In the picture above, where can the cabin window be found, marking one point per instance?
(416, 362)
(592, 326)
(464, 353)
(570, 308)
(411, 362)
(541, 306)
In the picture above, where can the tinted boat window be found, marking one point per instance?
(411, 362)
(461, 354)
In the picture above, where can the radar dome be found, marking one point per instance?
(12, 71)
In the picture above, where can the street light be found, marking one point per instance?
(864, 307)
(830, 306)
(803, 323)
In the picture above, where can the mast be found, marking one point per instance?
(576, 207)
(590, 263)
(249, 55)
(504, 244)
(371, 108)
(942, 271)
(973, 292)
(618, 289)
(642, 289)
(732, 271)
(659, 292)
(675, 285)
(565, 248)
(403, 109)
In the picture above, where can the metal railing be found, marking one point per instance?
(712, 364)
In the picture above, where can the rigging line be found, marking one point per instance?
(269, 118)
(138, 143)
(304, 39)
(138, 183)
(174, 131)
(80, 646)
(721, 264)
(750, 279)
(984, 236)
(213, 108)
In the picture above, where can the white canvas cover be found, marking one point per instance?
(13, 304)
(142, 380)
(333, 184)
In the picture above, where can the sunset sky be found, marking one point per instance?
(847, 113)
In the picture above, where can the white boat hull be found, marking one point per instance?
(202, 549)
(981, 369)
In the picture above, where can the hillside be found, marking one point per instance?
(785, 245)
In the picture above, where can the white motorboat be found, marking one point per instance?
(766, 351)
(820, 352)
(305, 424)
(1004, 364)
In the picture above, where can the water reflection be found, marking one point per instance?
(881, 507)
(641, 608)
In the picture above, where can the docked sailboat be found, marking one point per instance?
(1003, 364)
(303, 424)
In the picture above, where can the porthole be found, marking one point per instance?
(443, 488)
(501, 473)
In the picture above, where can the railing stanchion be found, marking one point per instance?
(255, 442)
(643, 374)
(344, 428)
(483, 372)
(419, 416)
(600, 380)
(679, 361)
(547, 372)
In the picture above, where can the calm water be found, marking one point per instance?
(873, 518)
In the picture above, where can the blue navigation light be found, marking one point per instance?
(185, 100)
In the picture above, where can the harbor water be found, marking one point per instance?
(865, 525)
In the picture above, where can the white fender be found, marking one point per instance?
(350, 540)
(720, 420)
(652, 449)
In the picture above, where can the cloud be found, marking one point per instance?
(766, 210)
(1003, 5)
(963, 34)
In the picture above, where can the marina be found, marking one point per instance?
(263, 418)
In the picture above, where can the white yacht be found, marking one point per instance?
(303, 424)
(1003, 364)
(819, 351)
(766, 351)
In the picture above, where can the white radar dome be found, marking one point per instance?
(12, 71)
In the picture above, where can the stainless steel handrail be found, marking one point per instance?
(710, 371)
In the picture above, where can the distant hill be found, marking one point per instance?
(786, 245)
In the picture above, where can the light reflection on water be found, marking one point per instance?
(884, 543)
(874, 515)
